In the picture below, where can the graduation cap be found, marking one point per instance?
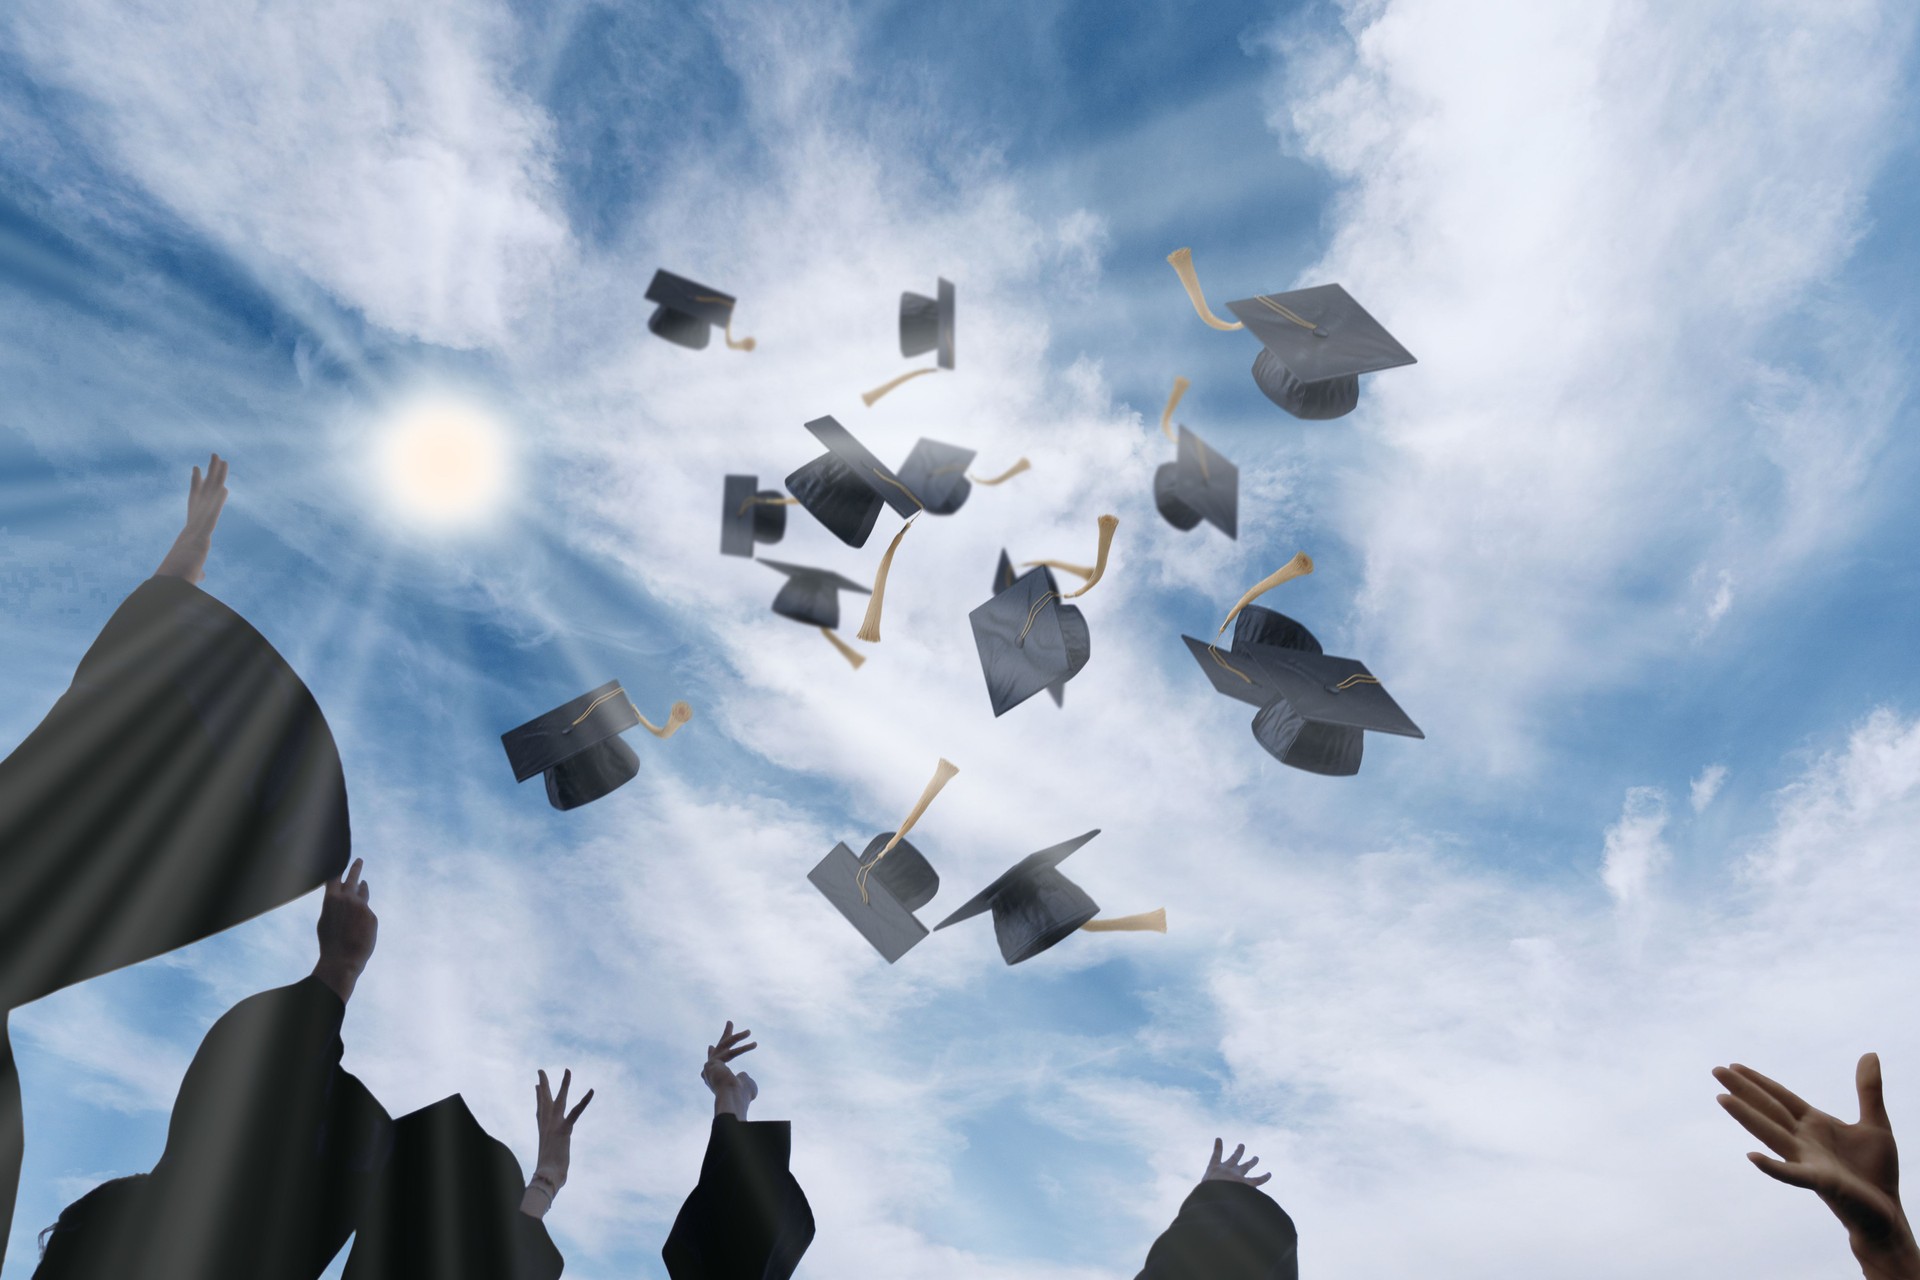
(879, 891)
(579, 748)
(1313, 706)
(1028, 638)
(1315, 342)
(1035, 906)
(448, 1207)
(1199, 484)
(812, 596)
(688, 311)
(926, 324)
(749, 514)
(845, 487)
(937, 474)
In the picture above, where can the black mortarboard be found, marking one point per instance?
(937, 474)
(748, 516)
(1029, 639)
(1313, 707)
(687, 311)
(844, 487)
(926, 324)
(578, 747)
(449, 1207)
(1034, 905)
(1198, 485)
(1317, 342)
(897, 886)
(812, 596)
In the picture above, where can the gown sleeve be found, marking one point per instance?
(747, 1219)
(184, 783)
(1226, 1231)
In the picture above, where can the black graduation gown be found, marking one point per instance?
(270, 1154)
(1226, 1231)
(748, 1218)
(184, 783)
(448, 1207)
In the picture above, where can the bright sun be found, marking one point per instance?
(445, 462)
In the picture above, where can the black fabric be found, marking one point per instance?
(1226, 1231)
(747, 1219)
(448, 1207)
(601, 768)
(184, 783)
(1313, 401)
(271, 1152)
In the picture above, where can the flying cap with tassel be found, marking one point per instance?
(1027, 637)
(1035, 906)
(688, 313)
(1199, 484)
(1313, 707)
(926, 324)
(879, 891)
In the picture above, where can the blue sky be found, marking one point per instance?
(1637, 520)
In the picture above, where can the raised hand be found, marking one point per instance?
(348, 930)
(1230, 1169)
(1854, 1168)
(732, 1093)
(556, 1129)
(188, 557)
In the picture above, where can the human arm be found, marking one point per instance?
(1853, 1168)
(348, 930)
(556, 1144)
(1227, 1229)
(187, 558)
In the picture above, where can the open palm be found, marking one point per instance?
(1854, 1168)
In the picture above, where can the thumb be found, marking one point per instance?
(1866, 1082)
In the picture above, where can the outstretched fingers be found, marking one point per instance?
(1794, 1175)
(575, 1113)
(1750, 1092)
(1795, 1105)
(1760, 1126)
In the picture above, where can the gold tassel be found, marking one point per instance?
(1182, 260)
(766, 502)
(870, 627)
(1107, 525)
(870, 396)
(1299, 567)
(745, 344)
(1180, 386)
(942, 774)
(1077, 570)
(1154, 921)
(1004, 476)
(847, 651)
(678, 714)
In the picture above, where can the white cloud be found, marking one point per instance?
(1607, 232)
(1635, 852)
(1703, 789)
(378, 151)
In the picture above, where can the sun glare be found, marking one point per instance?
(445, 462)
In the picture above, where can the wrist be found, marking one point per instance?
(341, 975)
(538, 1197)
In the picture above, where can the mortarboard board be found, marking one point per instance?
(1313, 706)
(844, 487)
(926, 324)
(579, 748)
(1317, 342)
(1198, 485)
(879, 892)
(749, 514)
(1034, 905)
(811, 596)
(448, 1207)
(937, 474)
(688, 311)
